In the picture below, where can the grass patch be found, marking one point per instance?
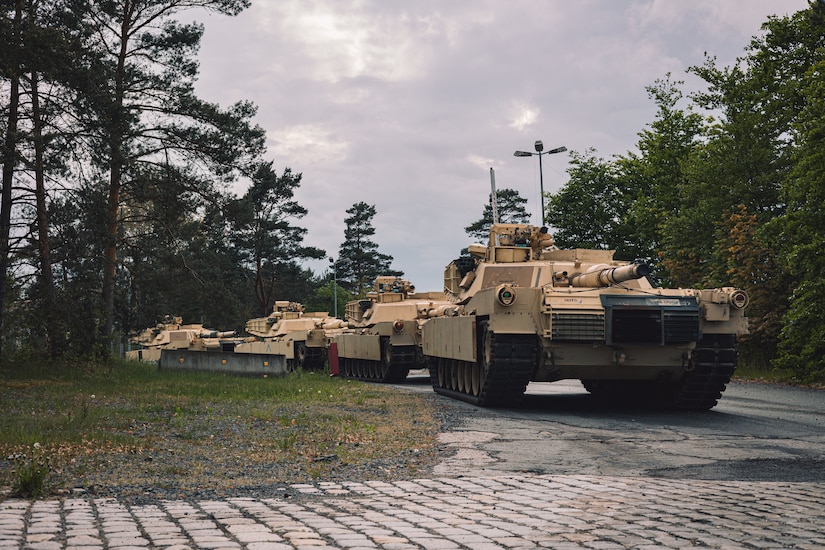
(136, 428)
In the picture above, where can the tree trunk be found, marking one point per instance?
(9, 163)
(50, 320)
(116, 137)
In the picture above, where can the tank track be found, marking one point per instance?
(512, 363)
(402, 358)
(315, 358)
(307, 358)
(713, 361)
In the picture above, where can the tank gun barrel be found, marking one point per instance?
(216, 334)
(606, 276)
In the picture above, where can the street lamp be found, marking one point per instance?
(539, 148)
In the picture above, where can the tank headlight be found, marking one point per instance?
(506, 295)
(398, 326)
(739, 299)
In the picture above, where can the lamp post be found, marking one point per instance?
(539, 148)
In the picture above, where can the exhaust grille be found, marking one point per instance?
(577, 327)
(681, 327)
(639, 320)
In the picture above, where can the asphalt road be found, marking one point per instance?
(757, 432)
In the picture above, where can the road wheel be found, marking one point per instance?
(442, 372)
(477, 379)
(454, 368)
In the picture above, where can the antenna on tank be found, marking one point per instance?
(494, 199)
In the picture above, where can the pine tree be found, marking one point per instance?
(510, 209)
(143, 114)
(359, 261)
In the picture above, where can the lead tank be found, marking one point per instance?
(299, 335)
(384, 339)
(532, 312)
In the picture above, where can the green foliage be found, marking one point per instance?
(623, 204)
(653, 181)
(588, 211)
(802, 347)
(140, 223)
(149, 132)
(324, 298)
(263, 235)
(743, 259)
(801, 228)
(733, 201)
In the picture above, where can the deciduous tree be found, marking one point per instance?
(588, 211)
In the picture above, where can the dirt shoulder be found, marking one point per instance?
(171, 437)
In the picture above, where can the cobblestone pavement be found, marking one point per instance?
(511, 511)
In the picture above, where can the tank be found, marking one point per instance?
(531, 312)
(290, 331)
(384, 339)
(171, 333)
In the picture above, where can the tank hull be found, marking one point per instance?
(172, 334)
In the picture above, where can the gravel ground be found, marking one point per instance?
(173, 467)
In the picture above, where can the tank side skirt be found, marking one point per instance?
(401, 360)
(510, 368)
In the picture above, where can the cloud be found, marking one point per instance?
(523, 117)
(303, 142)
(348, 40)
(407, 106)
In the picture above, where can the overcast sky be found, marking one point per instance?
(407, 105)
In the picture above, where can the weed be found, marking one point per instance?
(286, 442)
(31, 469)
